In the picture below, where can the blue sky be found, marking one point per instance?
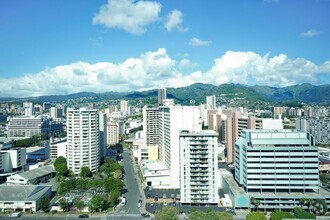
(61, 47)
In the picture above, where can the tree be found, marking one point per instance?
(97, 203)
(302, 214)
(256, 216)
(79, 204)
(167, 213)
(117, 174)
(64, 205)
(197, 215)
(61, 166)
(321, 206)
(44, 204)
(255, 202)
(279, 215)
(85, 172)
(225, 216)
(324, 179)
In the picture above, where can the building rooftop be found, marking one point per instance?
(22, 193)
(35, 173)
(198, 133)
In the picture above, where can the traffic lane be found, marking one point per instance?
(131, 186)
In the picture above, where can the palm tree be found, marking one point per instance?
(255, 202)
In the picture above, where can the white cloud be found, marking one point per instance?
(186, 63)
(174, 21)
(198, 42)
(310, 33)
(129, 15)
(156, 69)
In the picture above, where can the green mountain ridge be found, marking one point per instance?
(306, 93)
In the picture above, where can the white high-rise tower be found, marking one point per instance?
(83, 139)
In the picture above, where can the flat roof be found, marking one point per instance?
(35, 173)
(322, 193)
(22, 193)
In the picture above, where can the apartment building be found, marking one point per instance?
(317, 126)
(83, 139)
(199, 167)
(173, 119)
(150, 126)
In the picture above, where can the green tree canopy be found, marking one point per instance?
(302, 214)
(167, 213)
(98, 203)
(197, 215)
(85, 172)
(60, 166)
(79, 204)
(44, 204)
(256, 216)
(279, 215)
(64, 205)
(225, 216)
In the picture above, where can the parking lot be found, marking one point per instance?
(156, 201)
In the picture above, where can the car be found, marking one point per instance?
(145, 215)
(151, 204)
(173, 203)
(164, 196)
(140, 200)
(83, 216)
(165, 203)
(139, 204)
(156, 198)
(140, 197)
(15, 215)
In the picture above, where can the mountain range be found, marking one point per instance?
(307, 93)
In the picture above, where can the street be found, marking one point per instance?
(131, 185)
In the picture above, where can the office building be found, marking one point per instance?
(103, 134)
(317, 126)
(150, 126)
(276, 161)
(211, 102)
(37, 109)
(112, 133)
(27, 126)
(276, 167)
(28, 111)
(83, 139)
(161, 96)
(199, 167)
(173, 119)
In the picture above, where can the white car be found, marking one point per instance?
(139, 205)
(165, 203)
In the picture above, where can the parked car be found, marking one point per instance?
(15, 215)
(165, 203)
(139, 204)
(164, 196)
(145, 215)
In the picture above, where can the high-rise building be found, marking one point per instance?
(211, 102)
(57, 148)
(83, 139)
(150, 126)
(161, 96)
(46, 106)
(102, 134)
(318, 127)
(173, 119)
(56, 112)
(237, 122)
(124, 107)
(28, 111)
(199, 167)
(112, 133)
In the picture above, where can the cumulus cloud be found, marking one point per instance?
(198, 42)
(310, 33)
(155, 69)
(129, 15)
(186, 63)
(174, 21)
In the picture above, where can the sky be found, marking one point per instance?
(63, 47)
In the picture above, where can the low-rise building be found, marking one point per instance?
(35, 176)
(22, 198)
